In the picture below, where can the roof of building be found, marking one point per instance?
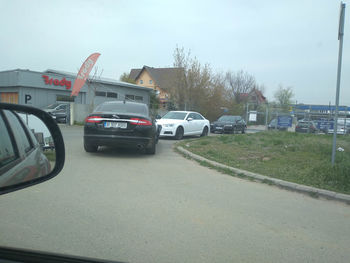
(320, 107)
(163, 77)
(260, 97)
(73, 75)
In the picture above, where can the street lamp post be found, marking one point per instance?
(340, 38)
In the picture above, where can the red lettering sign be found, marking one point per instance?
(56, 82)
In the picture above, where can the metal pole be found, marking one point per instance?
(340, 37)
(266, 116)
(276, 121)
(246, 116)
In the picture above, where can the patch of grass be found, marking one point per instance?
(204, 142)
(314, 194)
(50, 155)
(267, 181)
(78, 123)
(300, 158)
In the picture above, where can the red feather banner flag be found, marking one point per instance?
(83, 73)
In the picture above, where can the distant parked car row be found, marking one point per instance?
(129, 124)
(315, 126)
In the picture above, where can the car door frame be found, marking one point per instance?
(190, 126)
(199, 123)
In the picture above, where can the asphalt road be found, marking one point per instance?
(132, 207)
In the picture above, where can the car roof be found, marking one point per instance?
(184, 111)
(123, 102)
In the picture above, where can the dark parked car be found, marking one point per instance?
(306, 126)
(121, 124)
(228, 124)
(21, 158)
(58, 111)
(274, 125)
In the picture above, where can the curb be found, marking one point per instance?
(278, 182)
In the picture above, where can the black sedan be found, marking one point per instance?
(58, 111)
(121, 124)
(228, 124)
(306, 126)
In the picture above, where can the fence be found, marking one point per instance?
(287, 118)
(78, 112)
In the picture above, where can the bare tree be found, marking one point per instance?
(93, 86)
(179, 90)
(192, 83)
(239, 83)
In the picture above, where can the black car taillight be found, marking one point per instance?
(142, 122)
(93, 119)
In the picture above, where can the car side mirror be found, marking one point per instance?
(158, 117)
(189, 119)
(31, 147)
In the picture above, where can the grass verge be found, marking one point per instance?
(294, 157)
(50, 155)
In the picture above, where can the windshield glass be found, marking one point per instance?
(228, 118)
(52, 106)
(175, 115)
(273, 122)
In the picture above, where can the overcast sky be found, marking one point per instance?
(293, 43)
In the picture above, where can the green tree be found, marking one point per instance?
(154, 103)
(125, 77)
(283, 96)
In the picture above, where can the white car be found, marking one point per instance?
(183, 123)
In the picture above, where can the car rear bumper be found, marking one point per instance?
(115, 140)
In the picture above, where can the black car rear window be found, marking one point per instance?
(128, 108)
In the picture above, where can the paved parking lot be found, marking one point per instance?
(127, 206)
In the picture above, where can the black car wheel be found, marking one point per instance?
(179, 133)
(205, 131)
(90, 147)
(152, 148)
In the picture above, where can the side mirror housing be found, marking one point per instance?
(20, 168)
(189, 119)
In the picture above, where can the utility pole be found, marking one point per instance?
(340, 38)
